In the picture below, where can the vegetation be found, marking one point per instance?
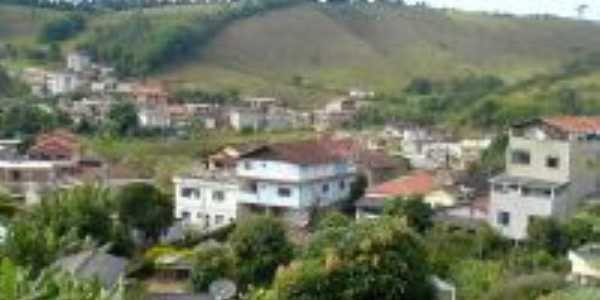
(361, 265)
(62, 28)
(64, 222)
(210, 264)
(418, 214)
(161, 42)
(145, 208)
(260, 246)
(16, 283)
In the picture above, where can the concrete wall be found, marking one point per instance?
(521, 209)
(539, 151)
(205, 210)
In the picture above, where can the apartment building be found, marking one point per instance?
(551, 165)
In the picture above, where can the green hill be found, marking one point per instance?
(334, 47)
(309, 51)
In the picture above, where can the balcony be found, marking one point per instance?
(526, 187)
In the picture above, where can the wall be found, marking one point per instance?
(203, 208)
(539, 150)
(520, 209)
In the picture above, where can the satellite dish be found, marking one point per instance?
(222, 289)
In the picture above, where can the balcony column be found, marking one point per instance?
(552, 193)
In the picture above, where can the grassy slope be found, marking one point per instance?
(378, 47)
(20, 25)
(337, 47)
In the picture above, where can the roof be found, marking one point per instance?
(58, 142)
(575, 124)
(94, 264)
(303, 152)
(417, 183)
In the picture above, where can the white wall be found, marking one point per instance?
(205, 210)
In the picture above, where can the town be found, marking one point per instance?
(127, 186)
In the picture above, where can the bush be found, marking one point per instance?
(259, 246)
(210, 264)
(62, 28)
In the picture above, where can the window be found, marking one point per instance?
(520, 157)
(325, 188)
(219, 219)
(185, 215)
(342, 184)
(552, 162)
(284, 192)
(189, 192)
(503, 218)
(218, 195)
(248, 165)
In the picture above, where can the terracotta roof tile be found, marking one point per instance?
(575, 124)
(417, 183)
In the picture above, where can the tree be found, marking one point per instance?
(123, 118)
(417, 213)
(381, 259)
(210, 264)
(144, 207)
(60, 223)
(548, 234)
(259, 246)
(18, 283)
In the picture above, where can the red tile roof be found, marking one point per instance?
(302, 152)
(417, 183)
(575, 124)
(57, 143)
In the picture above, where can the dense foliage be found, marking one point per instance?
(418, 214)
(259, 245)
(380, 259)
(22, 120)
(62, 223)
(17, 283)
(210, 264)
(62, 28)
(144, 207)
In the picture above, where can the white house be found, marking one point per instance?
(206, 201)
(292, 178)
(61, 83)
(585, 264)
(78, 61)
(549, 170)
(154, 116)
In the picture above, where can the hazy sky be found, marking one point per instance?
(564, 8)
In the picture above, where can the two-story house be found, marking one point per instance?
(206, 201)
(293, 178)
(551, 165)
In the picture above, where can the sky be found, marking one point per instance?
(565, 8)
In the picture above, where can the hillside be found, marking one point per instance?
(21, 25)
(308, 52)
(378, 47)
